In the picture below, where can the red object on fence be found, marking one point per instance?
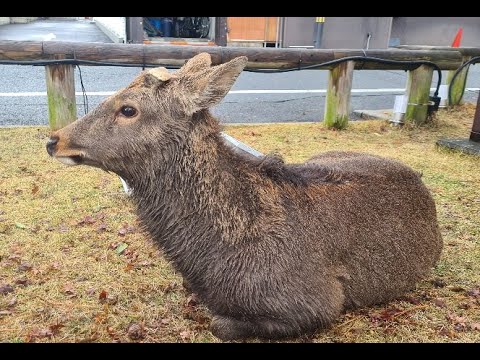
(458, 38)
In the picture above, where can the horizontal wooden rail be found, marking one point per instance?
(465, 51)
(171, 55)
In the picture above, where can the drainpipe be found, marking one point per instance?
(319, 22)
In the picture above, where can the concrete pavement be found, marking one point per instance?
(54, 30)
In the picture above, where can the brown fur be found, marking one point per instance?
(273, 249)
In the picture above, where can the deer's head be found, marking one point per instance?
(147, 118)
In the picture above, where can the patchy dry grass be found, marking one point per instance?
(74, 265)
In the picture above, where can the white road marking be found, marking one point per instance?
(49, 36)
(233, 92)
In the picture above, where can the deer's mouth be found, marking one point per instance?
(71, 160)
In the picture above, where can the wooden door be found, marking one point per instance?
(252, 28)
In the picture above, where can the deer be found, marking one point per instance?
(273, 250)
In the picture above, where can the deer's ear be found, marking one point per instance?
(197, 63)
(218, 82)
(159, 74)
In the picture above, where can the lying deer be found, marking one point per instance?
(274, 250)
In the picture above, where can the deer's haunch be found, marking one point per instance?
(273, 249)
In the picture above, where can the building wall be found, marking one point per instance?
(22, 20)
(298, 31)
(113, 27)
(351, 32)
(435, 31)
(4, 20)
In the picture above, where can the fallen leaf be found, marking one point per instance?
(186, 335)
(34, 189)
(129, 267)
(136, 331)
(54, 266)
(4, 228)
(22, 281)
(437, 282)
(12, 302)
(15, 258)
(101, 216)
(62, 228)
(192, 300)
(39, 333)
(446, 332)
(87, 220)
(55, 328)
(440, 302)
(111, 299)
(456, 319)
(91, 291)
(126, 229)
(121, 248)
(112, 333)
(102, 227)
(5, 289)
(20, 225)
(412, 300)
(69, 289)
(145, 263)
(385, 315)
(24, 266)
(473, 292)
(102, 296)
(456, 288)
(475, 326)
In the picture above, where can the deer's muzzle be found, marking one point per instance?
(64, 154)
(52, 145)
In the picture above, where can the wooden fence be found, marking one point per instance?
(61, 87)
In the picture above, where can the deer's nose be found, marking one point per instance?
(51, 145)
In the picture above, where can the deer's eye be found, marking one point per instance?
(128, 111)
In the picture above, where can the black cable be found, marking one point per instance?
(75, 62)
(415, 63)
(361, 58)
(472, 61)
(84, 93)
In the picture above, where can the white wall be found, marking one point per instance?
(114, 27)
(22, 20)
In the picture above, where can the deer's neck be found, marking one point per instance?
(197, 200)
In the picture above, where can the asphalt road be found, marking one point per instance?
(23, 100)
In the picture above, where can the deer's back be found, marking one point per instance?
(370, 216)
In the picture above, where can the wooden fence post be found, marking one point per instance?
(418, 94)
(62, 106)
(337, 103)
(459, 85)
(475, 133)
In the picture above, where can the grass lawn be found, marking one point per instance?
(75, 266)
